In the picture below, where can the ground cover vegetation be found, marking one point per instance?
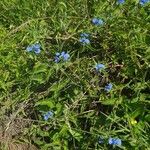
(75, 75)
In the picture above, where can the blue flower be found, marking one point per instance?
(84, 40)
(121, 1)
(97, 21)
(35, 48)
(99, 67)
(48, 115)
(29, 48)
(115, 141)
(108, 87)
(56, 59)
(142, 2)
(86, 35)
(61, 56)
(66, 57)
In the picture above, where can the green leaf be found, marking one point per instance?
(59, 108)
(39, 68)
(78, 136)
(147, 117)
(39, 78)
(38, 142)
(57, 86)
(112, 101)
(47, 102)
(137, 112)
(64, 131)
(39, 73)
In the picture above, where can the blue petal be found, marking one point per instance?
(108, 87)
(62, 54)
(142, 2)
(121, 1)
(118, 142)
(84, 35)
(115, 141)
(100, 22)
(81, 40)
(29, 48)
(46, 117)
(37, 46)
(66, 57)
(110, 141)
(37, 51)
(34, 47)
(87, 41)
(94, 20)
(57, 59)
(84, 40)
(50, 114)
(97, 21)
(99, 66)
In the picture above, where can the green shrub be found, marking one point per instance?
(70, 103)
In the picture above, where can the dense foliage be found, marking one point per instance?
(75, 74)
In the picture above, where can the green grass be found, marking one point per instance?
(32, 84)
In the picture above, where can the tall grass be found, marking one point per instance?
(83, 114)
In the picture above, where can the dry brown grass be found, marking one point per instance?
(9, 135)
